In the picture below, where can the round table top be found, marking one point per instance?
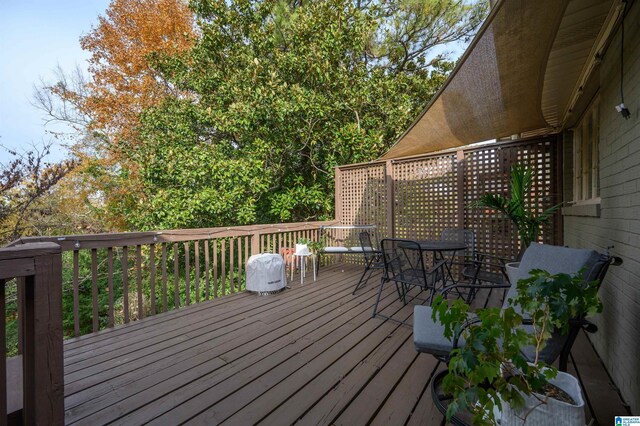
(440, 245)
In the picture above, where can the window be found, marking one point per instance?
(586, 137)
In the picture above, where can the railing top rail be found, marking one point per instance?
(30, 249)
(18, 261)
(119, 239)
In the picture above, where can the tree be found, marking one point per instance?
(292, 87)
(104, 107)
(407, 30)
(24, 181)
(244, 118)
(122, 82)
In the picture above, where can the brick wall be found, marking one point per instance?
(618, 338)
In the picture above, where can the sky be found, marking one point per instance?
(36, 36)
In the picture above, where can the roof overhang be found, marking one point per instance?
(522, 72)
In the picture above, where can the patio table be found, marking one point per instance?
(438, 248)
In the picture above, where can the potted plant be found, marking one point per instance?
(306, 245)
(302, 246)
(491, 378)
(518, 208)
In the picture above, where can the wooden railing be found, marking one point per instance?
(39, 370)
(116, 278)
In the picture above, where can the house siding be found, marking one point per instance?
(618, 338)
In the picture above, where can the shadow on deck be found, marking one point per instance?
(311, 353)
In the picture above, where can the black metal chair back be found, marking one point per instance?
(371, 254)
(372, 259)
(596, 272)
(404, 265)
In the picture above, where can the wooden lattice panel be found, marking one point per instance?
(362, 201)
(432, 193)
(426, 197)
(487, 170)
(363, 196)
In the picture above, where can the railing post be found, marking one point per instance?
(255, 243)
(43, 378)
(42, 360)
(391, 199)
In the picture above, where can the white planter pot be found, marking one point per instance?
(302, 249)
(544, 411)
(512, 270)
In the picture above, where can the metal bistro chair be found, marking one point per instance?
(404, 265)
(372, 259)
(476, 267)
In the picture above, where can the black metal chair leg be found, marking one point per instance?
(363, 281)
(375, 307)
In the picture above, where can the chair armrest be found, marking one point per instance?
(447, 289)
(482, 255)
(583, 323)
(470, 321)
(435, 267)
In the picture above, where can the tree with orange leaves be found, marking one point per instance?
(105, 108)
(123, 80)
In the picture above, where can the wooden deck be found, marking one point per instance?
(310, 354)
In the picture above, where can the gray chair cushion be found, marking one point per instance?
(342, 250)
(428, 336)
(553, 259)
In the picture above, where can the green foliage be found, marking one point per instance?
(490, 368)
(273, 96)
(190, 183)
(556, 299)
(524, 215)
(26, 178)
(314, 246)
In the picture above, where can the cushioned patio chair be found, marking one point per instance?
(428, 335)
(372, 259)
(404, 265)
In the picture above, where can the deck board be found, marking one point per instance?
(311, 354)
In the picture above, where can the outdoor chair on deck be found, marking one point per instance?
(428, 335)
(475, 267)
(372, 259)
(404, 265)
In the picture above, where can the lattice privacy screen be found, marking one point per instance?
(433, 192)
(361, 199)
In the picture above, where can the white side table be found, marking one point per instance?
(303, 265)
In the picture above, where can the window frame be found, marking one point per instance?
(586, 156)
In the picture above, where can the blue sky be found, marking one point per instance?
(35, 36)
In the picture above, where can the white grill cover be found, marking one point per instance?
(266, 273)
